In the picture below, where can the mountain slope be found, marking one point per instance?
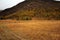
(33, 9)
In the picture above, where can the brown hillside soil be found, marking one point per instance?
(30, 30)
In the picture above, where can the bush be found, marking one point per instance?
(26, 18)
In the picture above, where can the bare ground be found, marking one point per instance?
(30, 30)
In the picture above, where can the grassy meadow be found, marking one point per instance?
(30, 30)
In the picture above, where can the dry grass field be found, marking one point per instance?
(30, 30)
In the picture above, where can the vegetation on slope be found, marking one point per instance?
(33, 9)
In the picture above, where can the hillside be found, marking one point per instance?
(0, 10)
(30, 9)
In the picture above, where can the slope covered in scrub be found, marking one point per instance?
(29, 9)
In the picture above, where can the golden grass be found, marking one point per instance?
(34, 29)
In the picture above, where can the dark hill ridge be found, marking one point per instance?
(33, 9)
(0, 10)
